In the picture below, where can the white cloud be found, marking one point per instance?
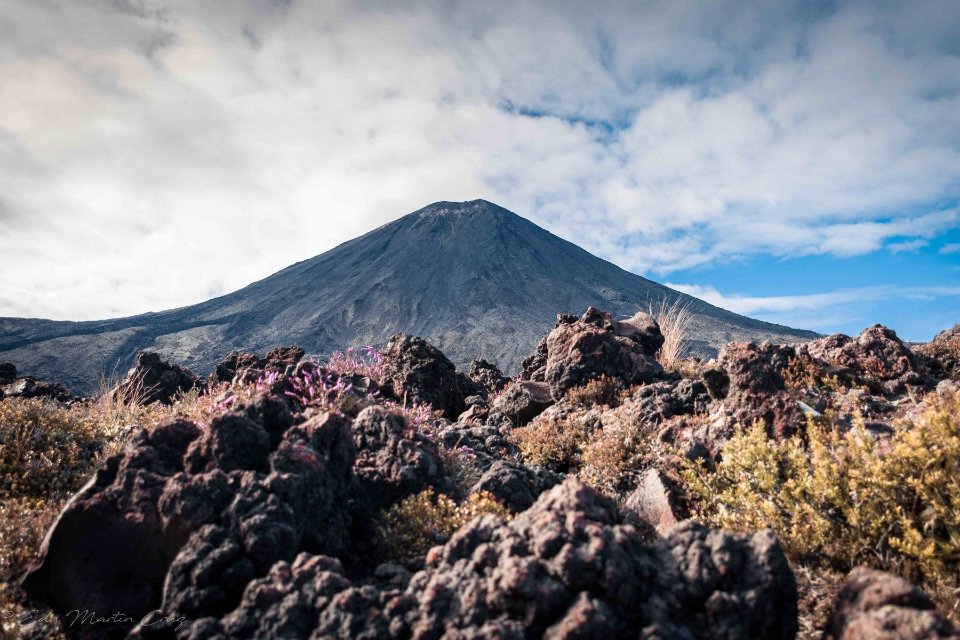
(154, 152)
(950, 247)
(818, 310)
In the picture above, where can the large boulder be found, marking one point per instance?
(874, 604)
(595, 345)
(415, 371)
(154, 380)
(565, 568)
(186, 516)
(942, 354)
(392, 461)
(752, 388)
(877, 358)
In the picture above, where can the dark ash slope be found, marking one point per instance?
(472, 277)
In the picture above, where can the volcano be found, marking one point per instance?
(471, 277)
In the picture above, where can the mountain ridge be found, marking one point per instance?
(472, 277)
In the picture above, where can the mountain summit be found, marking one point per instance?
(471, 277)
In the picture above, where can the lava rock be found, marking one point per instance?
(874, 604)
(417, 372)
(942, 354)
(488, 376)
(592, 347)
(8, 372)
(565, 568)
(30, 387)
(184, 518)
(154, 380)
(756, 388)
(655, 503)
(642, 328)
(523, 401)
(877, 358)
(392, 461)
(515, 485)
(238, 365)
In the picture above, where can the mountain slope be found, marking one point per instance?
(472, 277)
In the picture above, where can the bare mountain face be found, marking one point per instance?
(471, 277)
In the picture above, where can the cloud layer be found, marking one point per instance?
(153, 153)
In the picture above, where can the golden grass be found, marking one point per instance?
(674, 319)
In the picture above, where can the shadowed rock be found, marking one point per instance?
(942, 354)
(874, 604)
(565, 568)
(154, 380)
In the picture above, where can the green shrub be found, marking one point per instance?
(841, 499)
(415, 524)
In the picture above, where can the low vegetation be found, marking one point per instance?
(674, 320)
(841, 498)
(556, 444)
(421, 521)
(605, 391)
(47, 452)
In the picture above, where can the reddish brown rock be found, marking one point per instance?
(155, 380)
(565, 568)
(415, 371)
(594, 346)
(877, 358)
(523, 401)
(655, 503)
(755, 388)
(873, 604)
(488, 376)
(942, 354)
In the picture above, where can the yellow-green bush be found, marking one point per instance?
(842, 499)
(555, 444)
(415, 524)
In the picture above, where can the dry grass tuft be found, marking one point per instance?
(674, 320)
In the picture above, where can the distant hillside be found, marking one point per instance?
(472, 277)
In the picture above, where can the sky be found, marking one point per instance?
(797, 162)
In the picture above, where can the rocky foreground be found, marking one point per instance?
(261, 514)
